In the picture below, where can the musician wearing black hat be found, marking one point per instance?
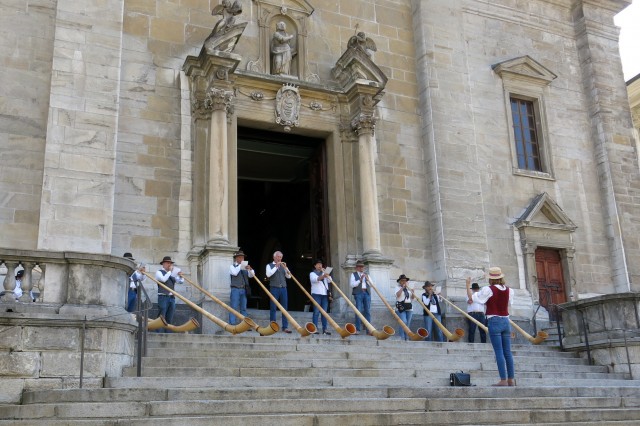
(361, 291)
(432, 301)
(403, 298)
(169, 276)
(476, 310)
(240, 272)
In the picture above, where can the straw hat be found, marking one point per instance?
(495, 273)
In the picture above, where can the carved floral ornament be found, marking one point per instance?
(214, 100)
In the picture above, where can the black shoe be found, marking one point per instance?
(286, 330)
(327, 333)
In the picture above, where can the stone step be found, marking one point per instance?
(432, 392)
(402, 411)
(270, 371)
(288, 341)
(305, 405)
(479, 379)
(519, 358)
(434, 362)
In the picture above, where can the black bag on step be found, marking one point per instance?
(460, 379)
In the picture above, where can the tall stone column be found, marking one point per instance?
(212, 246)
(364, 126)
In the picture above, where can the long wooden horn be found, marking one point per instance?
(348, 329)
(156, 323)
(387, 331)
(478, 323)
(190, 325)
(450, 336)
(540, 336)
(264, 331)
(422, 332)
(309, 328)
(233, 329)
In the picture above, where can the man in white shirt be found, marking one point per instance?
(361, 291)
(169, 276)
(240, 274)
(476, 310)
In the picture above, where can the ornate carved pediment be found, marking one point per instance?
(356, 64)
(544, 212)
(524, 67)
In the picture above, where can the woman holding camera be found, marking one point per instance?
(404, 307)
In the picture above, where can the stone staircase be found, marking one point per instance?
(324, 380)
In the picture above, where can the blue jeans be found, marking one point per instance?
(363, 304)
(436, 333)
(239, 303)
(280, 294)
(323, 301)
(500, 335)
(405, 316)
(131, 300)
(167, 307)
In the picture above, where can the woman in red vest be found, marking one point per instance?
(497, 297)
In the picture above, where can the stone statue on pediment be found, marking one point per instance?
(226, 32)
(361, 41)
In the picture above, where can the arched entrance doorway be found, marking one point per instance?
(282, 205)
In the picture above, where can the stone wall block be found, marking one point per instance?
(11, 338)
(119, 342)
(19, 364)
(11, 390)
(51, 338)
(56, 364)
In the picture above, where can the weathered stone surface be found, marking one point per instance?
(51, 338)
(19, 364)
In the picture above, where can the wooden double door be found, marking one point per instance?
(551, 285)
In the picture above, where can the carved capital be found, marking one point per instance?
(219, 99)
(363, 124)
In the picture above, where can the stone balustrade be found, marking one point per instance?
(80, 302)
(612, 324)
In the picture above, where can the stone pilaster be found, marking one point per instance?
(612, 136)
(76, 208)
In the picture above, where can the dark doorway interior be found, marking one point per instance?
(281, 206)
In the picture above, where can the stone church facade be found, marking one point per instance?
(428, 138)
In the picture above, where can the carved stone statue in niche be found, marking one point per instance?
(281, 51)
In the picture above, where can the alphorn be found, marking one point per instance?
(156, 323)
(233, 329)
(540, 336)
(264, 331)
(422, 332)
(387, 331)
(478, 323)
(308, 329)
(450, 336)
(190, 325)
(348, 329)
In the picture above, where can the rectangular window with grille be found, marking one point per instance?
(525, 130)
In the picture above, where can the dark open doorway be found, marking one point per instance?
(281, 205)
